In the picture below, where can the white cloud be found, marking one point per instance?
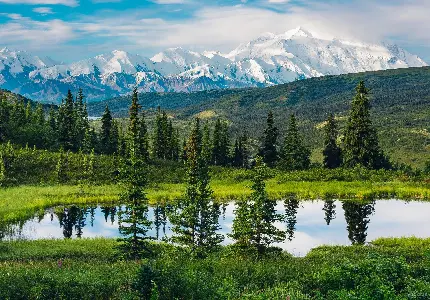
(43, 10)
(37, 2)
(34, 34)
(223, 28)
(279, 1)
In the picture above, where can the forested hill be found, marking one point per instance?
(17, 97)
(400, 99)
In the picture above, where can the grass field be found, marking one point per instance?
(22, 202)
(92, 269)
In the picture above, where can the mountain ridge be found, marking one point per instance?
(268, 60)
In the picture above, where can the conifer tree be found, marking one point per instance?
(134, 222)
(161, 143)
(253, 225)
(66, 122)
(268, 150)
(39, 115)
(220, 151)
(294, 155)
(109, 133)
(137, 131)
(173, 143)
(195, 218)
(361, 146)
(207, 144)
(81, 116)
(332, 152)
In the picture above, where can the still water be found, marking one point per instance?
(308, 223)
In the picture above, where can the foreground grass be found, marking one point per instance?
(22, 202)
(92, 269)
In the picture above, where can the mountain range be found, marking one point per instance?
(268, 60)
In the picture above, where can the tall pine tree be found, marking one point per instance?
(268, 150)
(294, 155)
(195, 218)
(332, 152)
(361, 146)
(253, 225)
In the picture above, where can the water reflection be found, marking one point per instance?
(307, 224)
(357, 216)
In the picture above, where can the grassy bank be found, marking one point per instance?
(22, 202)
(91, 269)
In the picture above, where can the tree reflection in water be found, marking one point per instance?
(357, 218)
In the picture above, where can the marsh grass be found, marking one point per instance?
(18, 203)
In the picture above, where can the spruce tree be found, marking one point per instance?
(108, 134)
(361, 146)
(207, 143)
(195, 218)
(268, 150)
(294, 155)
(134, 222)
(255, 216)
(39, 115)
(66, 123)
(220, 147)
(137, 131)
(332, 152)
(81, 116)
(161, 138)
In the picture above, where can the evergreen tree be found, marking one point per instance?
(161, 143)
(137, 131)
(294, 155)
(134, 222)
(207, 144)
(195, 218)
(39, 115)
(361, 146)
(220, 147)
(66, 123)
(240, 154)
(253, 225)
(332, 152)
(268, 150)
(109, 133)
(81, 115)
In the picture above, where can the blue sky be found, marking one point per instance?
(69, 30)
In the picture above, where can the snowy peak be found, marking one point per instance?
(298, 32)
(267, 60)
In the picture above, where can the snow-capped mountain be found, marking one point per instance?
(268, 60)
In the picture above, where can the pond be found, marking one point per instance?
(308, 224)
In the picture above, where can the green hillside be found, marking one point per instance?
(400, 98)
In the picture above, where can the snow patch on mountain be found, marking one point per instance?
(269, 59)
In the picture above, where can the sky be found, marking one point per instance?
(70, 30)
